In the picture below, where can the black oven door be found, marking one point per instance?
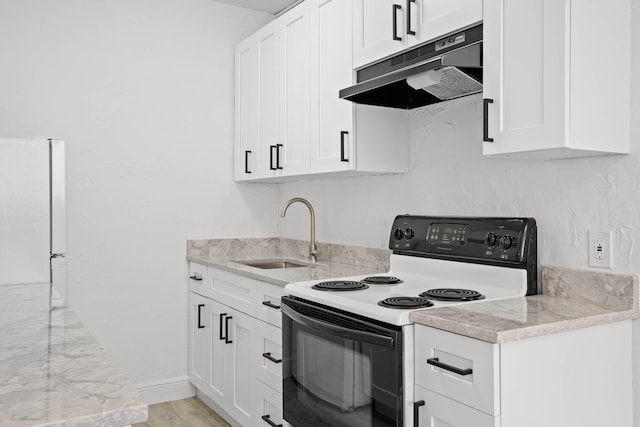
(339, 369)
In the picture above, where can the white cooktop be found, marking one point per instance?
(418, 275)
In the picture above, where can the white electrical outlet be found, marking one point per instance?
(600, 249)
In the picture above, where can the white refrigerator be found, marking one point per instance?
(32, 213)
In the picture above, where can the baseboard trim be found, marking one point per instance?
(166, 390)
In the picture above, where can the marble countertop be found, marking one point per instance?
(333, 260)
(572, 299)
(519, 318)
(52, 370)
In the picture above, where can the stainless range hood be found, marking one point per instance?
(445, 69)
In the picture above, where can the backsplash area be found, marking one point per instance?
(607, 290)
(299, 249)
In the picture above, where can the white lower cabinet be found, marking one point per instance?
(434, 410)
(572, 378)
(199, 340)
(231, 350)
(268, 406)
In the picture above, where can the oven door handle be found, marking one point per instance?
(340, 331)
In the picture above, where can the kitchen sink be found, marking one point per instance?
(268, 265)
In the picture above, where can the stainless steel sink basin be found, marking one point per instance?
(268, 265)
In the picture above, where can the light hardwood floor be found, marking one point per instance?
(183, 413)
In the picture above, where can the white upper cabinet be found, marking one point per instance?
(303, 127)
(293, 156)
(257, 96)
(385, 27)
(548, 92)
(332, 137)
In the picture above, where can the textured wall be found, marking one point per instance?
(449, 176)
(142, 91)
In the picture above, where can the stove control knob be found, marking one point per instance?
(398, 234)
(409, 233)
(491, 239)
(506, 241)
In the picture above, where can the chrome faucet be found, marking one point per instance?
(313, 247)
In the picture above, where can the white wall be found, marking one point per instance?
(142, 91)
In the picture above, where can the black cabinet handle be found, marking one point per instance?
(278, 147)
(394, 15)
(226, 330)
(222, 337)
(485, 120)
(271, 305)
(270, 357)
(343, 158)
(200, 325)
(196, 278)
(416, 412)
(267, 419)
(409, 30)
(436, 362)
(271, 148)
(246, 161)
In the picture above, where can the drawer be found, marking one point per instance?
(236, 291)
(438, 354)
(268, 308)
(440, 411)
(269, 354)
(197, 278)
(268, 406)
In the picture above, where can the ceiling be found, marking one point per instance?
(271, 6)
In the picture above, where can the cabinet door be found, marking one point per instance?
(218, 388)
(525, 75)
(199, 340)
(268, 406)
(431, 19)
(379, 30)
(268, 354)
(239, 329)
(434, 410)
(293, 154)
(256, 124)
(332, 138)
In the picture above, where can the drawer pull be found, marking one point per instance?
(200, 325)
(436, 362)
(416, 412)
(196, 278)
(485, 120)
(267, 419)
(271, 305)
(222, 337)
(394, 15)
(270, 357)
(226, 330)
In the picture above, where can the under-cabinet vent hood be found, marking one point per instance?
(445, 69)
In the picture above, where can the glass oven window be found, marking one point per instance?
(331, 380)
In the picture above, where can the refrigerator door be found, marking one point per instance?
(24, 211)
(58, 229)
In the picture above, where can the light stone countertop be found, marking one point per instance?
(572, 299)
(53, 373)
(333, 260)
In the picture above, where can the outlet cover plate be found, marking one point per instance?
(600, 249)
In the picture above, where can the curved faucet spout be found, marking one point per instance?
(313, 247)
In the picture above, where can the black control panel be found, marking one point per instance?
(507, 242)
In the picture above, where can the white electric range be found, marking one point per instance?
(348, 342)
